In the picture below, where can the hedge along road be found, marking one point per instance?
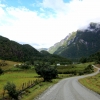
(70, 89)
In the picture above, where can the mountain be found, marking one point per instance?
(62, 43)
(42, 49)
(53, 58)
(81, 43)
(11, 50)
(45, 53)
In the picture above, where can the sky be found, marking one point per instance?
(42, 23)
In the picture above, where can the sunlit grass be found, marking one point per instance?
(41, 87)
(18, 78)
(93, 83)
(74, 67)
(10, 64)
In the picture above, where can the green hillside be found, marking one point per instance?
(11, 50)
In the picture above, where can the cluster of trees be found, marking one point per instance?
(11, 50)
(2, 63)
(46, 71)
(92, 58)
(89, 69)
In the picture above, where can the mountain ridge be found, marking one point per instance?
(81, 43)
(13, 51)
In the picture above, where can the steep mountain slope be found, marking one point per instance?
(63, 43)
(52, 58)
(11, 50)
(81, 43)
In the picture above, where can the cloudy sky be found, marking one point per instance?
(42, 23)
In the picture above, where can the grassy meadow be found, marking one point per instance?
(93, 82)
(71, 68)
(16, 76)
(10, 64)
(19, 76)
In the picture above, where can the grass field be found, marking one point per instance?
(10, 64)
(71, 68)
(18, 77)
(15, 76)
(41, 87)
(93, 83)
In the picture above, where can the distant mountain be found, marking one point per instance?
(42, 49)
(81, 43)
(43, 52)
(11, 50)
(63, 43)
(53, 58)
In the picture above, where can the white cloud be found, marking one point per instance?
(78, 11)
(56, 5)
(23, 25)
(1, 10)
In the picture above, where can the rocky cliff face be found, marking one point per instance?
(66, 41)
(81, 43)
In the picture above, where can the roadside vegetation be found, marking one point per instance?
(93, 82)
(76, 69)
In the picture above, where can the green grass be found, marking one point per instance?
(19, 76)
(93, 83)
(41, 87)
(10, 64)
(74, 67)
(37, 90)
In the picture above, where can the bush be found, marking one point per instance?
(81, 73)
(11, 88)
(88, 69)
(3, 63)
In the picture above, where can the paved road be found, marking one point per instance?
(69, 89)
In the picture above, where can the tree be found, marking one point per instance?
(83, 60)
(11, 88)
(1, 71)
(46, 71)
(89, 69)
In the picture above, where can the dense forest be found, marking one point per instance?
(11, 50)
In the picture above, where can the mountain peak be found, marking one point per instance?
(78, 44)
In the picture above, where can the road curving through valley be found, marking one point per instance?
(70, 89)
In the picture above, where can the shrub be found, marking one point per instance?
(81, 73)
(11, 88)
(89, 69)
